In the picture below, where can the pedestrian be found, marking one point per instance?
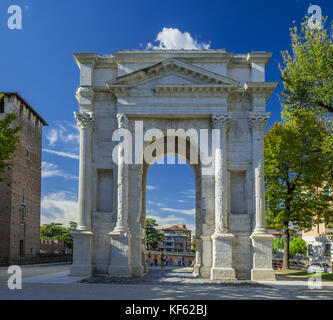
(170, 261)
(155, 259)
(179, 260)
(152, 262)
(162, 260)
(167, 261)
(189, 262)
(149, 258)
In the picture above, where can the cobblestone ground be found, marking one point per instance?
(53, 282)
(167, 276)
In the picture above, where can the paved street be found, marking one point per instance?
(53, 282)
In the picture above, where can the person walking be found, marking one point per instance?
(155, 259)
(149, 258)
(179, 260)
(162, 260)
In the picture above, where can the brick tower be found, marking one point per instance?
(20, 193)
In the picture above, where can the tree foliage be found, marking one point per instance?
(307, 72)
(277, 244)
(8, 140)
(58, 231)
(297, 171)
(297, 246)
(153, 236)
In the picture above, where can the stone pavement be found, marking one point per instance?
(53, 282)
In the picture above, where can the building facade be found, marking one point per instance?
(139, 96)
(319, 242)
(176, 239)
(20, 193)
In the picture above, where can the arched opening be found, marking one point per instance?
(171, 195)
(170, 204)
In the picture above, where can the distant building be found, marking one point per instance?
(319, 239)
(177, 239)
(52, 246)
(276, 233)
(20, 193)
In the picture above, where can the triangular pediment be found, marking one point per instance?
(170, 72)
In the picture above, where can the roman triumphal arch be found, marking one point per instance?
(205, 106)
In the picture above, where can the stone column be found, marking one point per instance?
(261, 240)
(222, 238)
(82, 236)
(137, 260)
(120, 236)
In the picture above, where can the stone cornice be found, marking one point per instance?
(85, 58)
(173, 65)
(212, 89)
(260, 88)
(259, 57)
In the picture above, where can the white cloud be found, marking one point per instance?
(174, 39)
(159, 204)
(189, 193)
(63, 154)
(148, 187)
(59, 207)
(52, 136)
(52, 170)
(64, 132)
(181, 201)
(190, 212)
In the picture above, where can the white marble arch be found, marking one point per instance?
(177, 89)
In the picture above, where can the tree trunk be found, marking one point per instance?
(286, 237)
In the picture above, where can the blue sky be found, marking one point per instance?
(37, 62)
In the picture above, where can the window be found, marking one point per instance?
(310, 250)
(22, 213)
(327, 250)
(2, 105)
(21, 248)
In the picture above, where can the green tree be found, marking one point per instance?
(296, 171)
(57, 231)
(8, 140)
(153, 236)
(297, 246)
(307, 72)
(277, 244)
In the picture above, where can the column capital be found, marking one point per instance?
(84, 120)
(122, 120)
(220, 120)
(258, 120)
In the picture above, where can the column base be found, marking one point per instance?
(223, 274)
(80, 270)
(137, 271)
(222, 257)
(196, 270)
(119, 266)
(262, 275)
(262, 256)
(82, 265)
